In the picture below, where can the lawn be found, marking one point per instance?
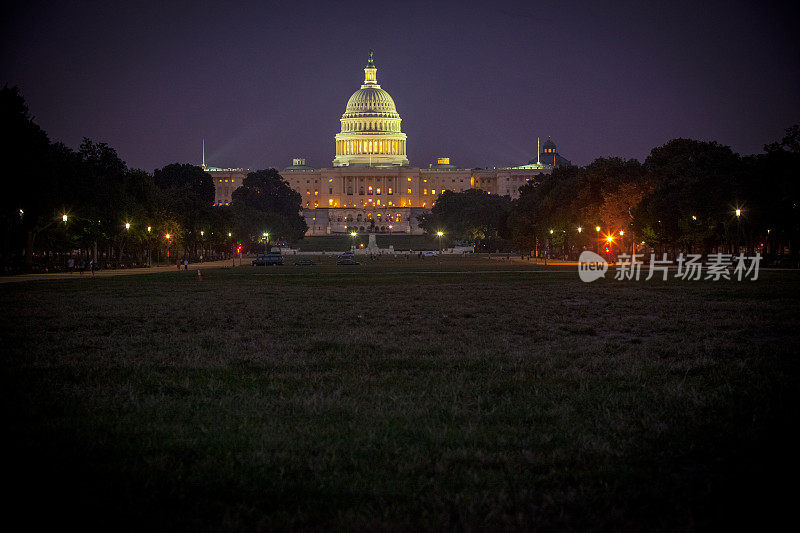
(399, 394)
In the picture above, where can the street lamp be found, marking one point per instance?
(64, 218)
(149, 228)
(597, 229)
(127, 225)
(439, 234)
(353, 235)
(738, 227)
(580, 229)
(266, 241)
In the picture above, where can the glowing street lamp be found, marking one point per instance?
(439, 235)
(64, 218)
(353, 235)
(149, 228)
(738, 227)
(610, 238)
(580, 229)
(230, 234)
(127, 225)
(167, 236)
(551, 232)
(202, 233)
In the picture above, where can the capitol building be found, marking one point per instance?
(371, 186)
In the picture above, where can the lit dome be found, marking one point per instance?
(370, 133)
(371, 100)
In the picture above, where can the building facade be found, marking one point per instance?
(371, 186)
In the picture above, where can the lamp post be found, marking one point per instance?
(597, 229)
(738, 228)
(439, 235)
(353, 235)
(266, 242)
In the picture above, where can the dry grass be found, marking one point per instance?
(399, 394)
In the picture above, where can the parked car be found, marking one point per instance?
(305, 262)
(346, 258)
(430, 253)
(268, 259)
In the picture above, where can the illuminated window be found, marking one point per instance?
(330, 201)
(390, 202)
(379, 203)
(409, 191)
(220, 181)
(398, 218)
(308, 192)
(409, 179)
(233, 181)
(316, 192)
(424, 191)
(433, 191)
(378, 190)
(390, 190)
(369, 189)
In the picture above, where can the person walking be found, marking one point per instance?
(186, 264)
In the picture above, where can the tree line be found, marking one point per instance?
(688, 195)
(61, 205)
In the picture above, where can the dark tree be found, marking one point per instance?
(470, 215)
(696, 190)
(266, 203)
(188, 193)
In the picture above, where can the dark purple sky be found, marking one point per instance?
(264, 82)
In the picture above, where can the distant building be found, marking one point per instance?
(550, 156)
(370, 186)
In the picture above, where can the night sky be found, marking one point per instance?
(264, 82)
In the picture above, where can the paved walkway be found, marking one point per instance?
(120, 271)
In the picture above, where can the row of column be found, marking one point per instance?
(367, 126)
(353, 147)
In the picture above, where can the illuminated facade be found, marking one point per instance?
(371, 187)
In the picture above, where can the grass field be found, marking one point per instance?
(399, 394)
